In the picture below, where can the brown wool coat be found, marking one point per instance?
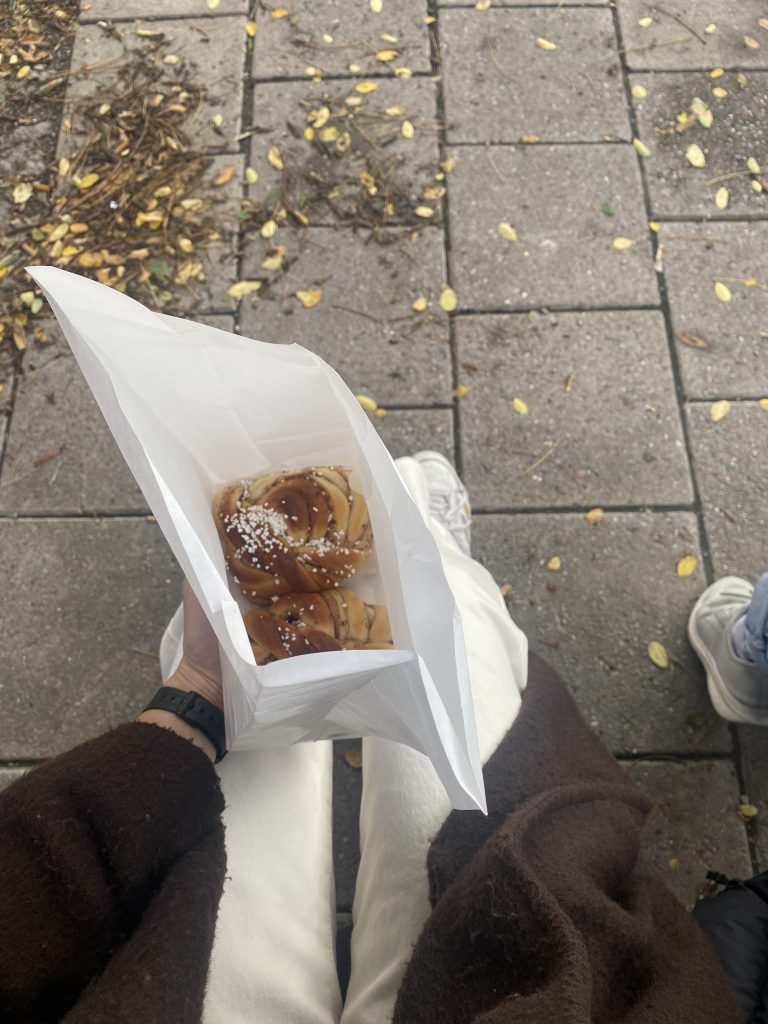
(112, 865)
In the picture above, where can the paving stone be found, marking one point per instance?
(285, 47)
(616, 591)
(347, 790)
(500, 86)
(79, 634)
(667, 43)
(214, 48)
(54, 410)
(695, 257)
(9, 775)
(739, 131)
(729, 462)
(599, 386)
(753, 740)
(377, 147)
(524, 3)
(343, 952)
(694, 826)
(98, 10)
(552, 195)
(363, 326)
(405, 431)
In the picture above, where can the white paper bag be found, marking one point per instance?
(193, 408)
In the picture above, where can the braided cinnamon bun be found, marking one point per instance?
(332, 620)
(293, 530)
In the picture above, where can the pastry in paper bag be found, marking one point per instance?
(193, 408)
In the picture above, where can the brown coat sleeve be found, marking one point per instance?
(111, 869)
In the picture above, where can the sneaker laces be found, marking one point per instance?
(452, 510)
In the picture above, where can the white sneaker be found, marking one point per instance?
(448, 498)
(737, 688)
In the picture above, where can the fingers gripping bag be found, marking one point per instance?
(194, 409)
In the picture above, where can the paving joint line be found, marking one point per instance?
(125, 19)
(433, 29)
(581, 509)
(661, 282)
(544, 310)
(306, 79)
(675, 757)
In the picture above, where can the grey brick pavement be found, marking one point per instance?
(590, 336)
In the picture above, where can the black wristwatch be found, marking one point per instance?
(199, 712)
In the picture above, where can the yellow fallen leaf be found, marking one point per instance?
(366, 87)
(309, 133)
(710, 28)
(507, 231)
(653, 225)
(251, 28)
(403, 73)
(674, 862)
(658, 654)
(23, 71)
(78, 228)
(407, 129)
(279, 12)
(329, 133)
(519, 406)
(753, 166)
(395, 111)
(594, 515)
(87, 181)
(748, 811)
(217, 120)
(274, 158)
(763, 23)
(268, 229)
(622, 243)
(719, 92)
(213, 4)
(686, 565)
(419, 304)
(58, 233)
(376, 6)
(185, 244)
(695, 156)
(380, 413)
(530, 140)
(448, 300)
(639, 91)
(251, 175)
(64, 166)
(757, 186)
(751, 42)
(327, 37)
(554, 564)
(750, 282)
(275, 259)
(22, 192)
(424, 211)
(310, 297)
(645, 22)
(717, 72)
(448, 165)
(170, 58)
(641, 147)
(482, 5)
(313, 71)
(722, 291)
(763, 403)
(719, 410)
(225, 174)
(367, 403)
(545, 44)
(386, 55)
(242, 288)
(721, 197)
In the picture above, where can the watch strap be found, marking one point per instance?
(197, 711)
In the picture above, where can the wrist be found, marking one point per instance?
(192, 679)
(168, 720)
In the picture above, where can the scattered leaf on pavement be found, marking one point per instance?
(595, 515)
(309, 297)
(719, 410)
(686, 565)
(658, 654)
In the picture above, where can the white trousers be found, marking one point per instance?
(273, 959)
